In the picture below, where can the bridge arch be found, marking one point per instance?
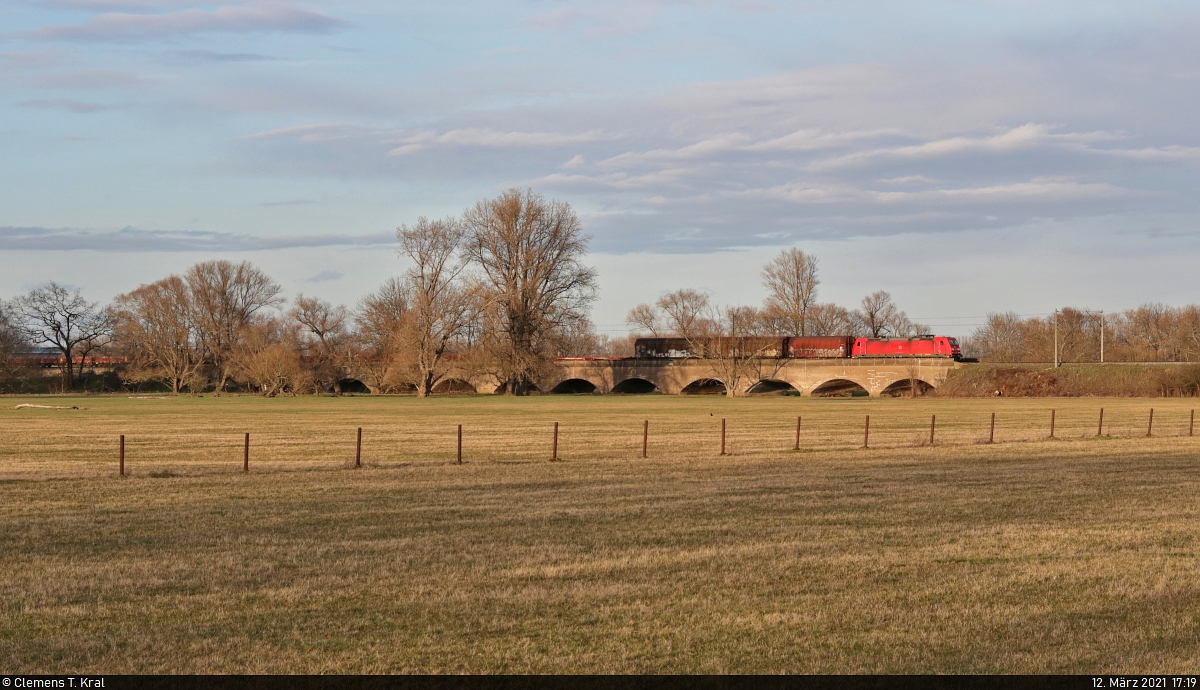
(839, 388)
(906, 387)
(352, 386)
(635, 386)
(576, 386)
(771, 387)
(704, 386)
(454, 386)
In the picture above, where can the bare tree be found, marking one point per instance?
(791, 282)
(227, 297)
(12, 342)
(155, 325)
(438, 307)
(687, 313)
(380, 318)
(323, 338)
(880, 318)
(644, 318)
(1002, 338)
(54, 316)
(829, 319)
(725, 339)
(266, 356)
(530, 252)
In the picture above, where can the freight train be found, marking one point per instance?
(791, 347)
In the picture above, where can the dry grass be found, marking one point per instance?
(1073, 555)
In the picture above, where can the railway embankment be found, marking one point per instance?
(1141, 379)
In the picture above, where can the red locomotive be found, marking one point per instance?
(788, 347)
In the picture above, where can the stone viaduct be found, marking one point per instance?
(882, 376)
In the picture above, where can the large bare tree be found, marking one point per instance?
(530, 253)
(829, 319)
(12, 342)
(155, 325)
(439, 307)
(686, 313)
(380, 318)
(791, 282)
(324, 338)
(645, 318)
(227, 297)
(880, 318)
(56, 316)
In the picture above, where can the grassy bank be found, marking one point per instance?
(1096, 380)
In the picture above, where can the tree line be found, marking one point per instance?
(499, 290)
(1153, 332)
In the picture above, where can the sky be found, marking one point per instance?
(968, 157)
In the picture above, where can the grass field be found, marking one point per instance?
(1077, 554)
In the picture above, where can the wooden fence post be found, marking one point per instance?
(121, 465)
(722, 436)
(932, 426)
(645, 436)
(246, 454)
(1052, 423)
(1100, 428)
(460, 444)
(797, 434)
(1150, 426)
(358, 449)
(992, 431)
(554, 449)
(867, 432)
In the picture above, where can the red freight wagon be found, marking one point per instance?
(819, 347)
(928, 346)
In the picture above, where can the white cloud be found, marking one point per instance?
(491, 138)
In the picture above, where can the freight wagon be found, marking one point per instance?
(808, 347)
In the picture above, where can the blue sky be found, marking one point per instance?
(966, 156)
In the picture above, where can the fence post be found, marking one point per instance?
(1150, 426)
(992, 431)
(1052, 423)
(460, 444)
(932, 426)
(797, 434)
(722, 436)
(1100, 428)
(867, 432)
(246, 454)
(358, 449)
(554, 449)
(121, 465)
(645, 436)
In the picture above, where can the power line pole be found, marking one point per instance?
(1102, 336)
